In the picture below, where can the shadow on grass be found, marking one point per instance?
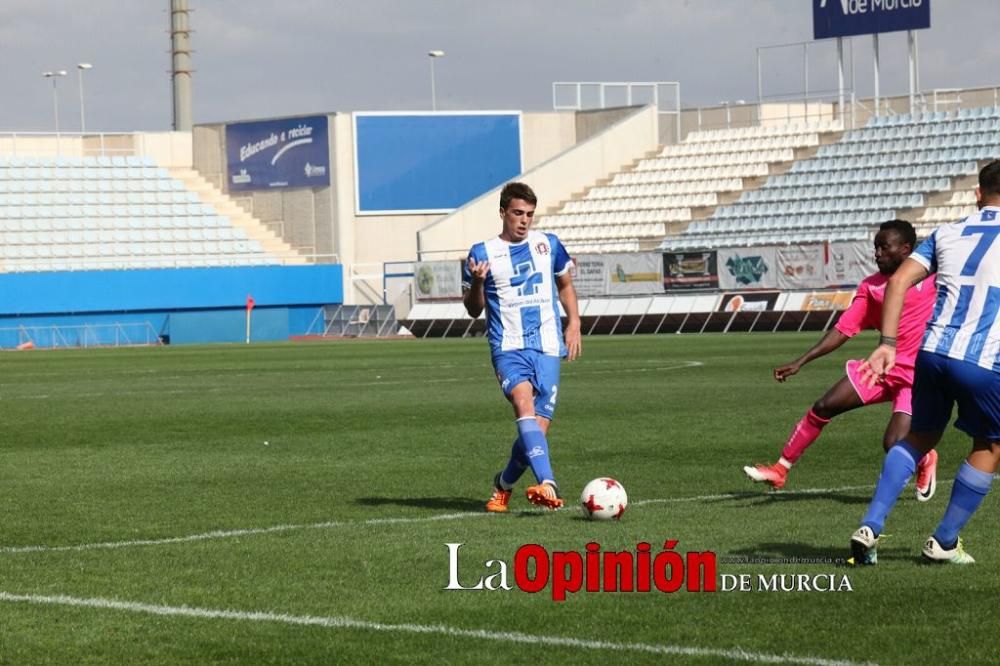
(437, 503)
(464, 504)
(801, 553)
(750, 498)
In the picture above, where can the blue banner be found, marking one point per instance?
(289, 152)
(423, 162)
(842, 18)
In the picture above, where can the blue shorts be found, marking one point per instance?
(528, 365)
(941, 382)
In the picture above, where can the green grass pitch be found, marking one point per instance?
(309, 490)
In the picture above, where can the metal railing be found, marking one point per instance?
(79, 336)
(664, 95)
(354, 321)
(691, 320)
(824, 105)
(72, 144)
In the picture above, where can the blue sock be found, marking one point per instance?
(515, 466)
(536, 448)
(897, 468)
(971, 486)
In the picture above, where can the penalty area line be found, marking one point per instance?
(337, 622)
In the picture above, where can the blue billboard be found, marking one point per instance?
(269, 154)
(432, 162)
(842, 18)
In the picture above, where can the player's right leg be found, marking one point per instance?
(503, 482)
(977, 392)
(972, 484)
(841, 397)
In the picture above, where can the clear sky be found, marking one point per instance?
(260, 58)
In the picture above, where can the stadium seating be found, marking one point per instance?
(682, 183)
(896, 166)
(81, 213)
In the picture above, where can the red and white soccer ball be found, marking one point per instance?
(604, 499)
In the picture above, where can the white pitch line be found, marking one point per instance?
(679, 366)
(335, 622)
(253, 531)
(233, 534)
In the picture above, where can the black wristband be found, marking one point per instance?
(887, 341)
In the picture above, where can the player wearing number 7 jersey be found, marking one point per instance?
(958, 363)
(519, 278)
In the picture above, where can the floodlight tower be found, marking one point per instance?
(81, 67)
(434, 55)
(55, 76)
(180, 63)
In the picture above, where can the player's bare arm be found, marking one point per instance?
(883, 359)
(567, 296)
(832, 340)
(474, 297)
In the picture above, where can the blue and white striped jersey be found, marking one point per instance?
(966, 257)
(522, 299)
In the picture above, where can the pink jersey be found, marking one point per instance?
(865, 312)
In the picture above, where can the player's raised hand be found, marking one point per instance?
(781, 373)
(478, 269)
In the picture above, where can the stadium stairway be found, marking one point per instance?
(238, 216)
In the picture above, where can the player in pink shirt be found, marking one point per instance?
(893, 244)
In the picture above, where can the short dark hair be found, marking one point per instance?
(513, 191)
(903, 228)
(989, 179)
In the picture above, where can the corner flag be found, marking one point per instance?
(250, 304)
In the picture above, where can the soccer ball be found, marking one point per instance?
(603, 499)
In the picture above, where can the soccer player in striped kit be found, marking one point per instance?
(519, 278)
(958, 363)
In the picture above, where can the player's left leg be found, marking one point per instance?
(841, 397)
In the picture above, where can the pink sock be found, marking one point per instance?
(805, 433)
